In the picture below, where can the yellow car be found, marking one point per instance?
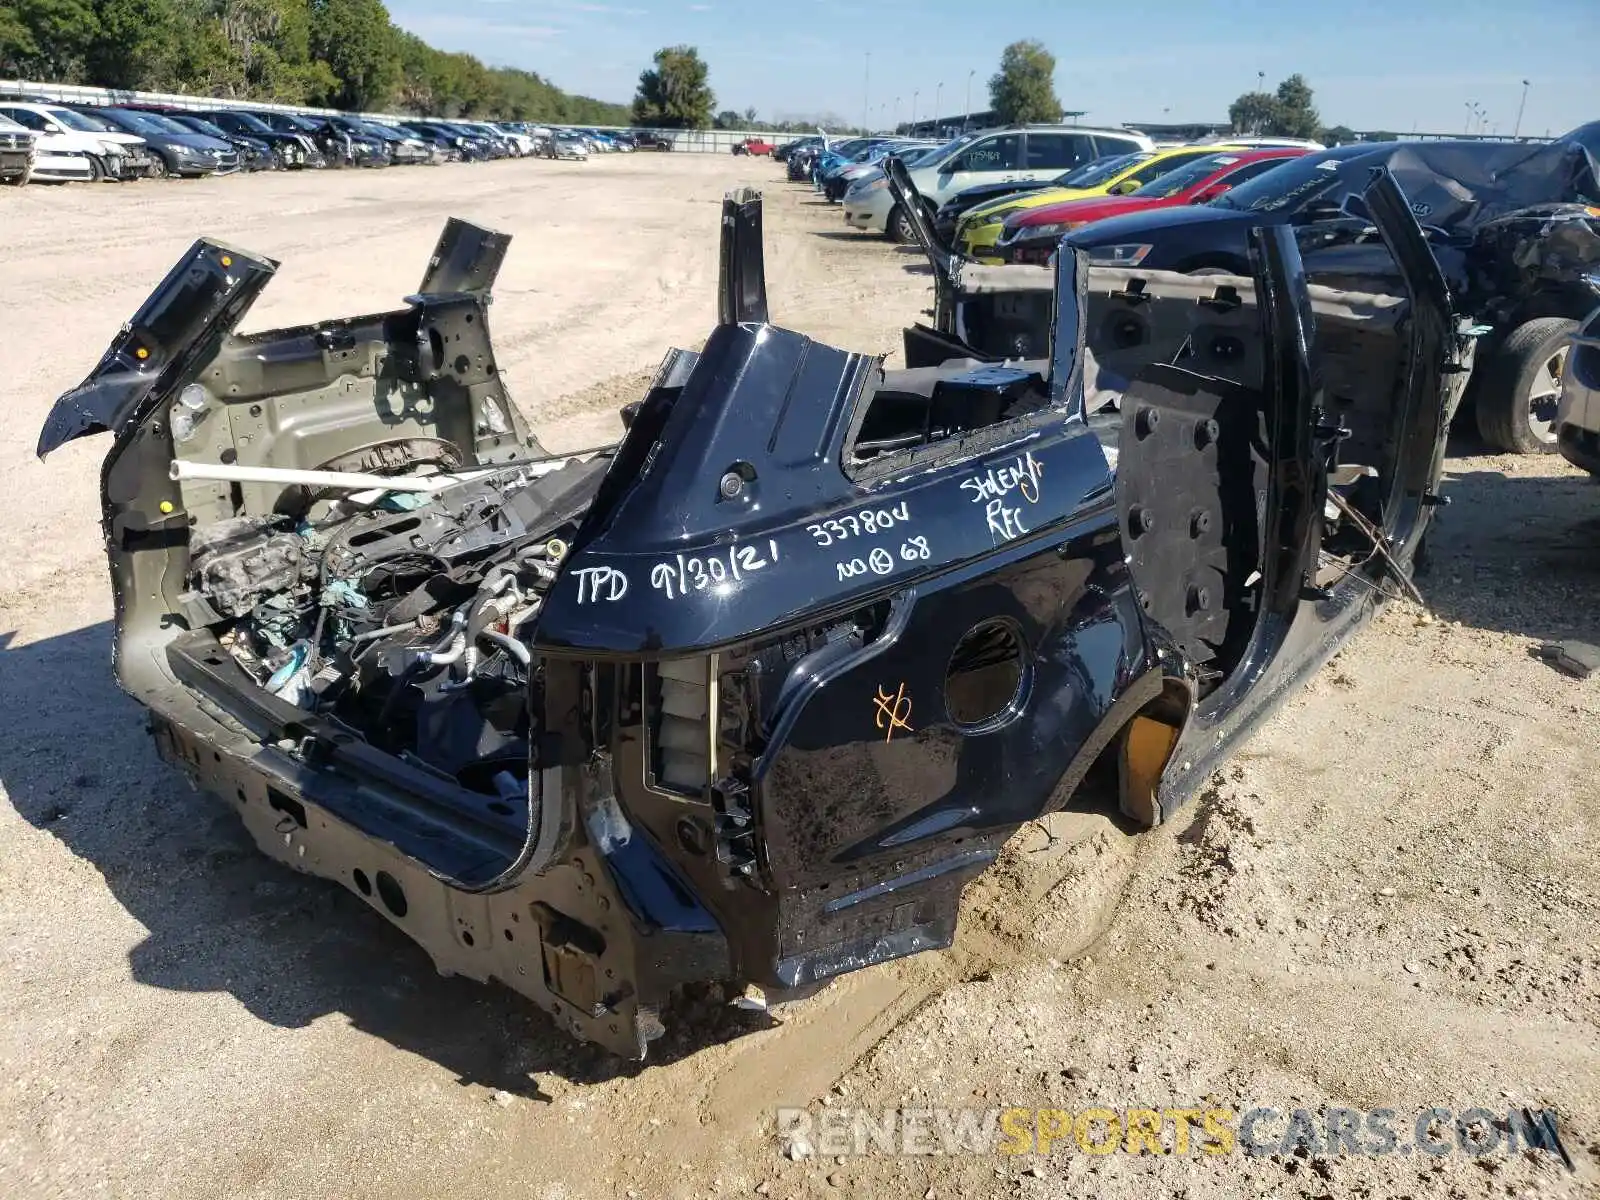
(979, 227)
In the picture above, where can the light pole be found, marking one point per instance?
(913, 130)
(896, 128)
(938, 93)
(966, 118)
(1467, 128)
(1261, 88)
(1521, 104)
(866, 96)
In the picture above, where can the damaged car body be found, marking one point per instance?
(752, 694)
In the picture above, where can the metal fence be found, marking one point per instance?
(71, 93)
(693, 141)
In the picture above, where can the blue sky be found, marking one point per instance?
(1392, 64)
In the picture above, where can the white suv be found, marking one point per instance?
(1018, 153)
(75, 147)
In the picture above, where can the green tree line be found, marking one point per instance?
(1023, 90)
(334, 53)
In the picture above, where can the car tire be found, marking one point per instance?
(97, 169)
(159, 167)
(899, 227)
(1215, 268)
(1521, 385)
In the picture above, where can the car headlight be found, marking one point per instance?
(1055, 229)
(1129, 254)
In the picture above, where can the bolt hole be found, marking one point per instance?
(467, 938)
(509, 937)
(363, 884)
(391, 893)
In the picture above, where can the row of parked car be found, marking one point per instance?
(45, 141)
(1515, 226)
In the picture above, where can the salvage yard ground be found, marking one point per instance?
(1390, 899)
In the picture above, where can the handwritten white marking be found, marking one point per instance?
(854, 525)
(916, 548)
(600, 583)
(689, 573)
(1004, 522)
(1022, 475)
(991, 489)
(881, 560)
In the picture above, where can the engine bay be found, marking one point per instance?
(403, 615)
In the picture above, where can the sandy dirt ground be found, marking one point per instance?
(1389, 900)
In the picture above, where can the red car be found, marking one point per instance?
(1031, 235)
(754, 146)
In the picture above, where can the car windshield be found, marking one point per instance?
(1093, 174)
(1164, 187)
(201, 126)
(916, 156)
(383, 131)
(7, 125)
(246, 121)
(1296, 182)
(166, 124)
(949, 148)
(123, 120)
(82, 123)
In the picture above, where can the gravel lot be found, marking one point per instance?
(1390, 899)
